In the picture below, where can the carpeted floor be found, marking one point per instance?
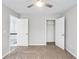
(39, 52)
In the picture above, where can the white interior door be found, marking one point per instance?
(50, 31)
(59, 37)
(22, 32)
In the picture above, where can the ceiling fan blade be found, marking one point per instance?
(30, 6)
(49, 5)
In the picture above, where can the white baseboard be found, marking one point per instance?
(8, 53)
(37, 44)
(71, 53)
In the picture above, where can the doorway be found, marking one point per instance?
(50, 31)
(18, 32)
(55, 32)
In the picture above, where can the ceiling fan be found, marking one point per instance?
(40, 3)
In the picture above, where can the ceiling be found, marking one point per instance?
(20, 6)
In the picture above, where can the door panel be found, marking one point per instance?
(50, 31)
(22, 30)
(60, 32)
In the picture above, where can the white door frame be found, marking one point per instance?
(64, 30)
(46, 26)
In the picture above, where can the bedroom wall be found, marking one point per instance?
(71, 31)
(37, 28)
(6, 12)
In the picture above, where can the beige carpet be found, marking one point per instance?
(39, 52)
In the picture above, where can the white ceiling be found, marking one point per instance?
(20, 6)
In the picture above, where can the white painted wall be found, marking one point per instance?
(50, 31)
(71, 31)
(5, 28)
(37, 28)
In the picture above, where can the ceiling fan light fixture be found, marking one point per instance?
(39, 4)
